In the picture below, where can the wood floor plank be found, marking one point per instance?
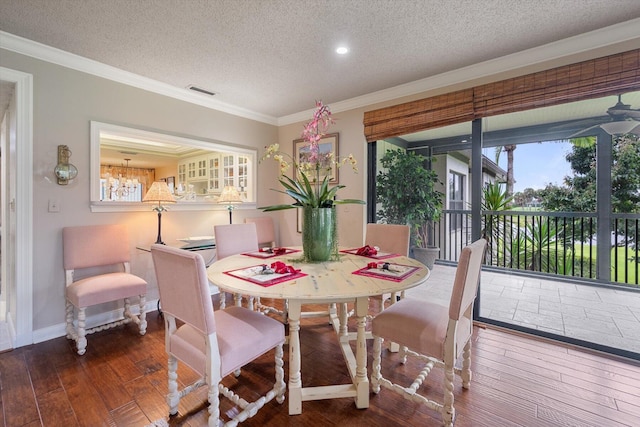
(56, 410)
(90, 409)
(18, 399)
(152, 403)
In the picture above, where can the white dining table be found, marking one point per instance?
(327, 282)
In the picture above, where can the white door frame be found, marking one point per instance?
(22, 211)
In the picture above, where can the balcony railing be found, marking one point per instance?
(554, 243)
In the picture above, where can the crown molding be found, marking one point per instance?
(46, 53)
(591, 41)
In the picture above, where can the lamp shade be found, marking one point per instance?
(159, 193)
(230, 195)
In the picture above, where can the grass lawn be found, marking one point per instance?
(630, 264)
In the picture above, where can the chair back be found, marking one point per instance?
(95, 246)
(232, 239)
(393, 238)
(184, 287)
(266, 230)
(465, 284)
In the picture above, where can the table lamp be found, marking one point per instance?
(159, 193)
(230, 197)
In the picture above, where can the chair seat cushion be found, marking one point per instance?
(242, 334)
(418, 325)
(105, 288)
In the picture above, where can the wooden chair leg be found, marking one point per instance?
(142, 317)
(448, 412)
(81, 339)
(375, 369)
(214, 405)
(173, 397)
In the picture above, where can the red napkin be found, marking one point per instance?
(281, 268)
(367, 251)
(275, 251)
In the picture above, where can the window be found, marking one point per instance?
(456, 197)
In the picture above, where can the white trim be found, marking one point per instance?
(24, 203)
(603, 37)
(60, 57)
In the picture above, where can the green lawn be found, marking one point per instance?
(631, 264)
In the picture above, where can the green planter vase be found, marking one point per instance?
(319, 240)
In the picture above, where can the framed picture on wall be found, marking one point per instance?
(171, 183)
(326, 145)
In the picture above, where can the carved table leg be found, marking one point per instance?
(295, 379)
(361, 380)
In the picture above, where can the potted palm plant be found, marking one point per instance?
(406, 192)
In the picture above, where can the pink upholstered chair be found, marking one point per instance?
(436, 334)
(214, 344)
(103, 249)
(266, 231)
(393, 238)
(232, 239)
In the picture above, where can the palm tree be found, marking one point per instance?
(509, 149)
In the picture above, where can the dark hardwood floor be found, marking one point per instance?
(122, 381)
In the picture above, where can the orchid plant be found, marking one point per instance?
(307, 189)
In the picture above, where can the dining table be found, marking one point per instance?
(348, 278)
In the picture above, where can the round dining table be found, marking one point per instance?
(350, 279)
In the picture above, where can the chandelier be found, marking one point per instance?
(123, 187)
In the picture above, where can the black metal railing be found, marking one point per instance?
(554, 243)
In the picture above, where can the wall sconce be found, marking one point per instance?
(64, 170)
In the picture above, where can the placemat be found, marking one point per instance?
(264, 254)
(379, 255)
(396, 272)
(251, 274)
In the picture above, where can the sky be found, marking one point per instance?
(536, 165)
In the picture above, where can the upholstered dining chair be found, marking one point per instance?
(266, 230)
(392, 238)
(233, 239)
(436, 334)
(214, 344)
(97, 270)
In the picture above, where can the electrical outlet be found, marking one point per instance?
(54, 206)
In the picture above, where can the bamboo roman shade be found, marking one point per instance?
(595, 78)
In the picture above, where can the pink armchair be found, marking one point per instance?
(103, 248)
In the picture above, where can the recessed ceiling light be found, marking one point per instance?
(342, 50)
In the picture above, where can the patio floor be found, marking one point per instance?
(609, 317)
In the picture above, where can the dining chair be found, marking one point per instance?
(266, 231)
(266, 239)
(212, 343)
(97, 270)
(436, 334)
(392, 238)
(233, 239)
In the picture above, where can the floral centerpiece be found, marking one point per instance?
(314, 195)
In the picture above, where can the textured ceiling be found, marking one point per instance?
(275, 57)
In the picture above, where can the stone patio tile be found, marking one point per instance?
(628, 298)
(573, 310)
(533, 320)
(528, 306)
(540, 292)
(551, 313)
(628, 328)
(610, 311)
(550, 298)
(575, 325)
(583, 294)
(520, 296)
(552, 330)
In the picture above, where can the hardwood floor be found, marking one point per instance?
(122, 381)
